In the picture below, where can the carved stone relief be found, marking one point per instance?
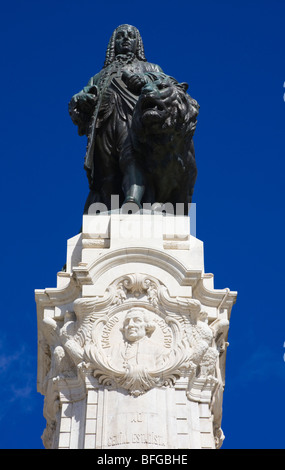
(136, 337)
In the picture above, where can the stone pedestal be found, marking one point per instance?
(132, 341)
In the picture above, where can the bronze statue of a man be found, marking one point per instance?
(103, 111)
(139, 123)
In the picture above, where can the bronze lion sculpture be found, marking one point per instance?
(158, 160)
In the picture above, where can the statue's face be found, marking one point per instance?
(134, 326)
(126, 40)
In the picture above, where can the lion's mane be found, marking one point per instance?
(161, 140)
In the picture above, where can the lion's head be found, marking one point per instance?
(165, 107)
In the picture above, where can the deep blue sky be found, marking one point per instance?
(232, 56)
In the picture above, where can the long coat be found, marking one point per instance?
(108, 127)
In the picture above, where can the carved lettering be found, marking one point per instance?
(105, 337)
(148, 438)
(118, 439)
(166, 333)
(136, 438)
(137, 418)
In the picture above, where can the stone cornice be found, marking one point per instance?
(52, 296)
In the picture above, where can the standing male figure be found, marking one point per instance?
(103, 112)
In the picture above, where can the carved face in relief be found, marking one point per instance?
(137, 325)
(126, 40)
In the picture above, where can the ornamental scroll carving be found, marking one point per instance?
(137, 337)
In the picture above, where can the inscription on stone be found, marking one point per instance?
(107, 330)
(137, 433)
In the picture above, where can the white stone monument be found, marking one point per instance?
(132, 341)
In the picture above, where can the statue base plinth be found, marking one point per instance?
(132, 341)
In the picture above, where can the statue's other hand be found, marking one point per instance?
(134, 82)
